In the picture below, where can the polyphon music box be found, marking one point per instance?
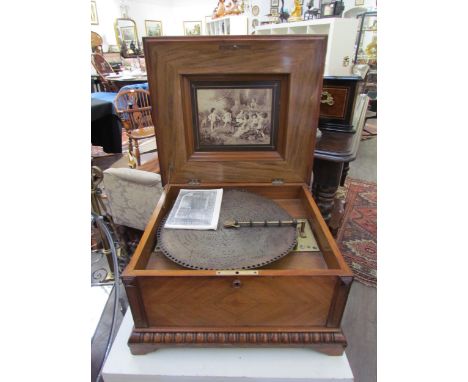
(236, 115)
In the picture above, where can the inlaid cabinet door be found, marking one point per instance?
(334, 101)
(339, 95)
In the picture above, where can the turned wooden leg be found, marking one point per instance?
(130, 153)
(327, 177)
(325, 199)
(344, 174)
(137, 153)
(337, 214)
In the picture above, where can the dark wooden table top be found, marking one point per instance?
(337, 146)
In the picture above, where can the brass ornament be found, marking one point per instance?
(327, 98)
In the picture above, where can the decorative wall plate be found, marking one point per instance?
(255, 10)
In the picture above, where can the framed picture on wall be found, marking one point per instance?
(192, 28)
(94, 16)
(275, 3)
(128, 33)
(359, 2)
(274, 11)
(153, 28)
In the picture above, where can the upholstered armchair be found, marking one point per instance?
(132, 195)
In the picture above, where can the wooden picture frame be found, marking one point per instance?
(192, 28)
(153, 28)
(94, 14)
(247, 63)
(231, 113)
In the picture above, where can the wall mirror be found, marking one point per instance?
(126, 36)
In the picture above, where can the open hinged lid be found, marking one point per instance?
(235, 108)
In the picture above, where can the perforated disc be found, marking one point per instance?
(232, 248)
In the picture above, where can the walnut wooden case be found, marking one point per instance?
(296, 301)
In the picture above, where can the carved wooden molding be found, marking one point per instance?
(236, 338)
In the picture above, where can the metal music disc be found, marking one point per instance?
(228, 248)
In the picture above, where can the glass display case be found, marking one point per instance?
(366, 53)
(366, 42)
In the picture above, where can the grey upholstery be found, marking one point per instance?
(132, 195)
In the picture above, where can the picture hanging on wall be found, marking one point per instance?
(192, 28)
(128, 33)
(358, 2)
(275, 3)
(94, 16)
(153, 28)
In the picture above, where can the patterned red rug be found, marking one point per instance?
(357, 237)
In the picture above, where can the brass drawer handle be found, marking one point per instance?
(328, 99)
(236, 284)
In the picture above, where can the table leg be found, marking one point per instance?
(344, 174)
(327, 178)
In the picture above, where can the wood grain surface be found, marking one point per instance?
(236, 301)
(297, 301)
(171, 59)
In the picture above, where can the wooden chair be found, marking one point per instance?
(134, 110)
(96, 42)
(103, 69)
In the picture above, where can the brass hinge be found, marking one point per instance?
(277, 181)
(239, 272)
(194, 181)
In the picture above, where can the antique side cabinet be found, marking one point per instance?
(195, 83)
(338, 103)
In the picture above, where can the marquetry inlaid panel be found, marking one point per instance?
(338, 109)
(231, 301)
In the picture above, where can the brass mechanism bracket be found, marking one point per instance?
(305, 240)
